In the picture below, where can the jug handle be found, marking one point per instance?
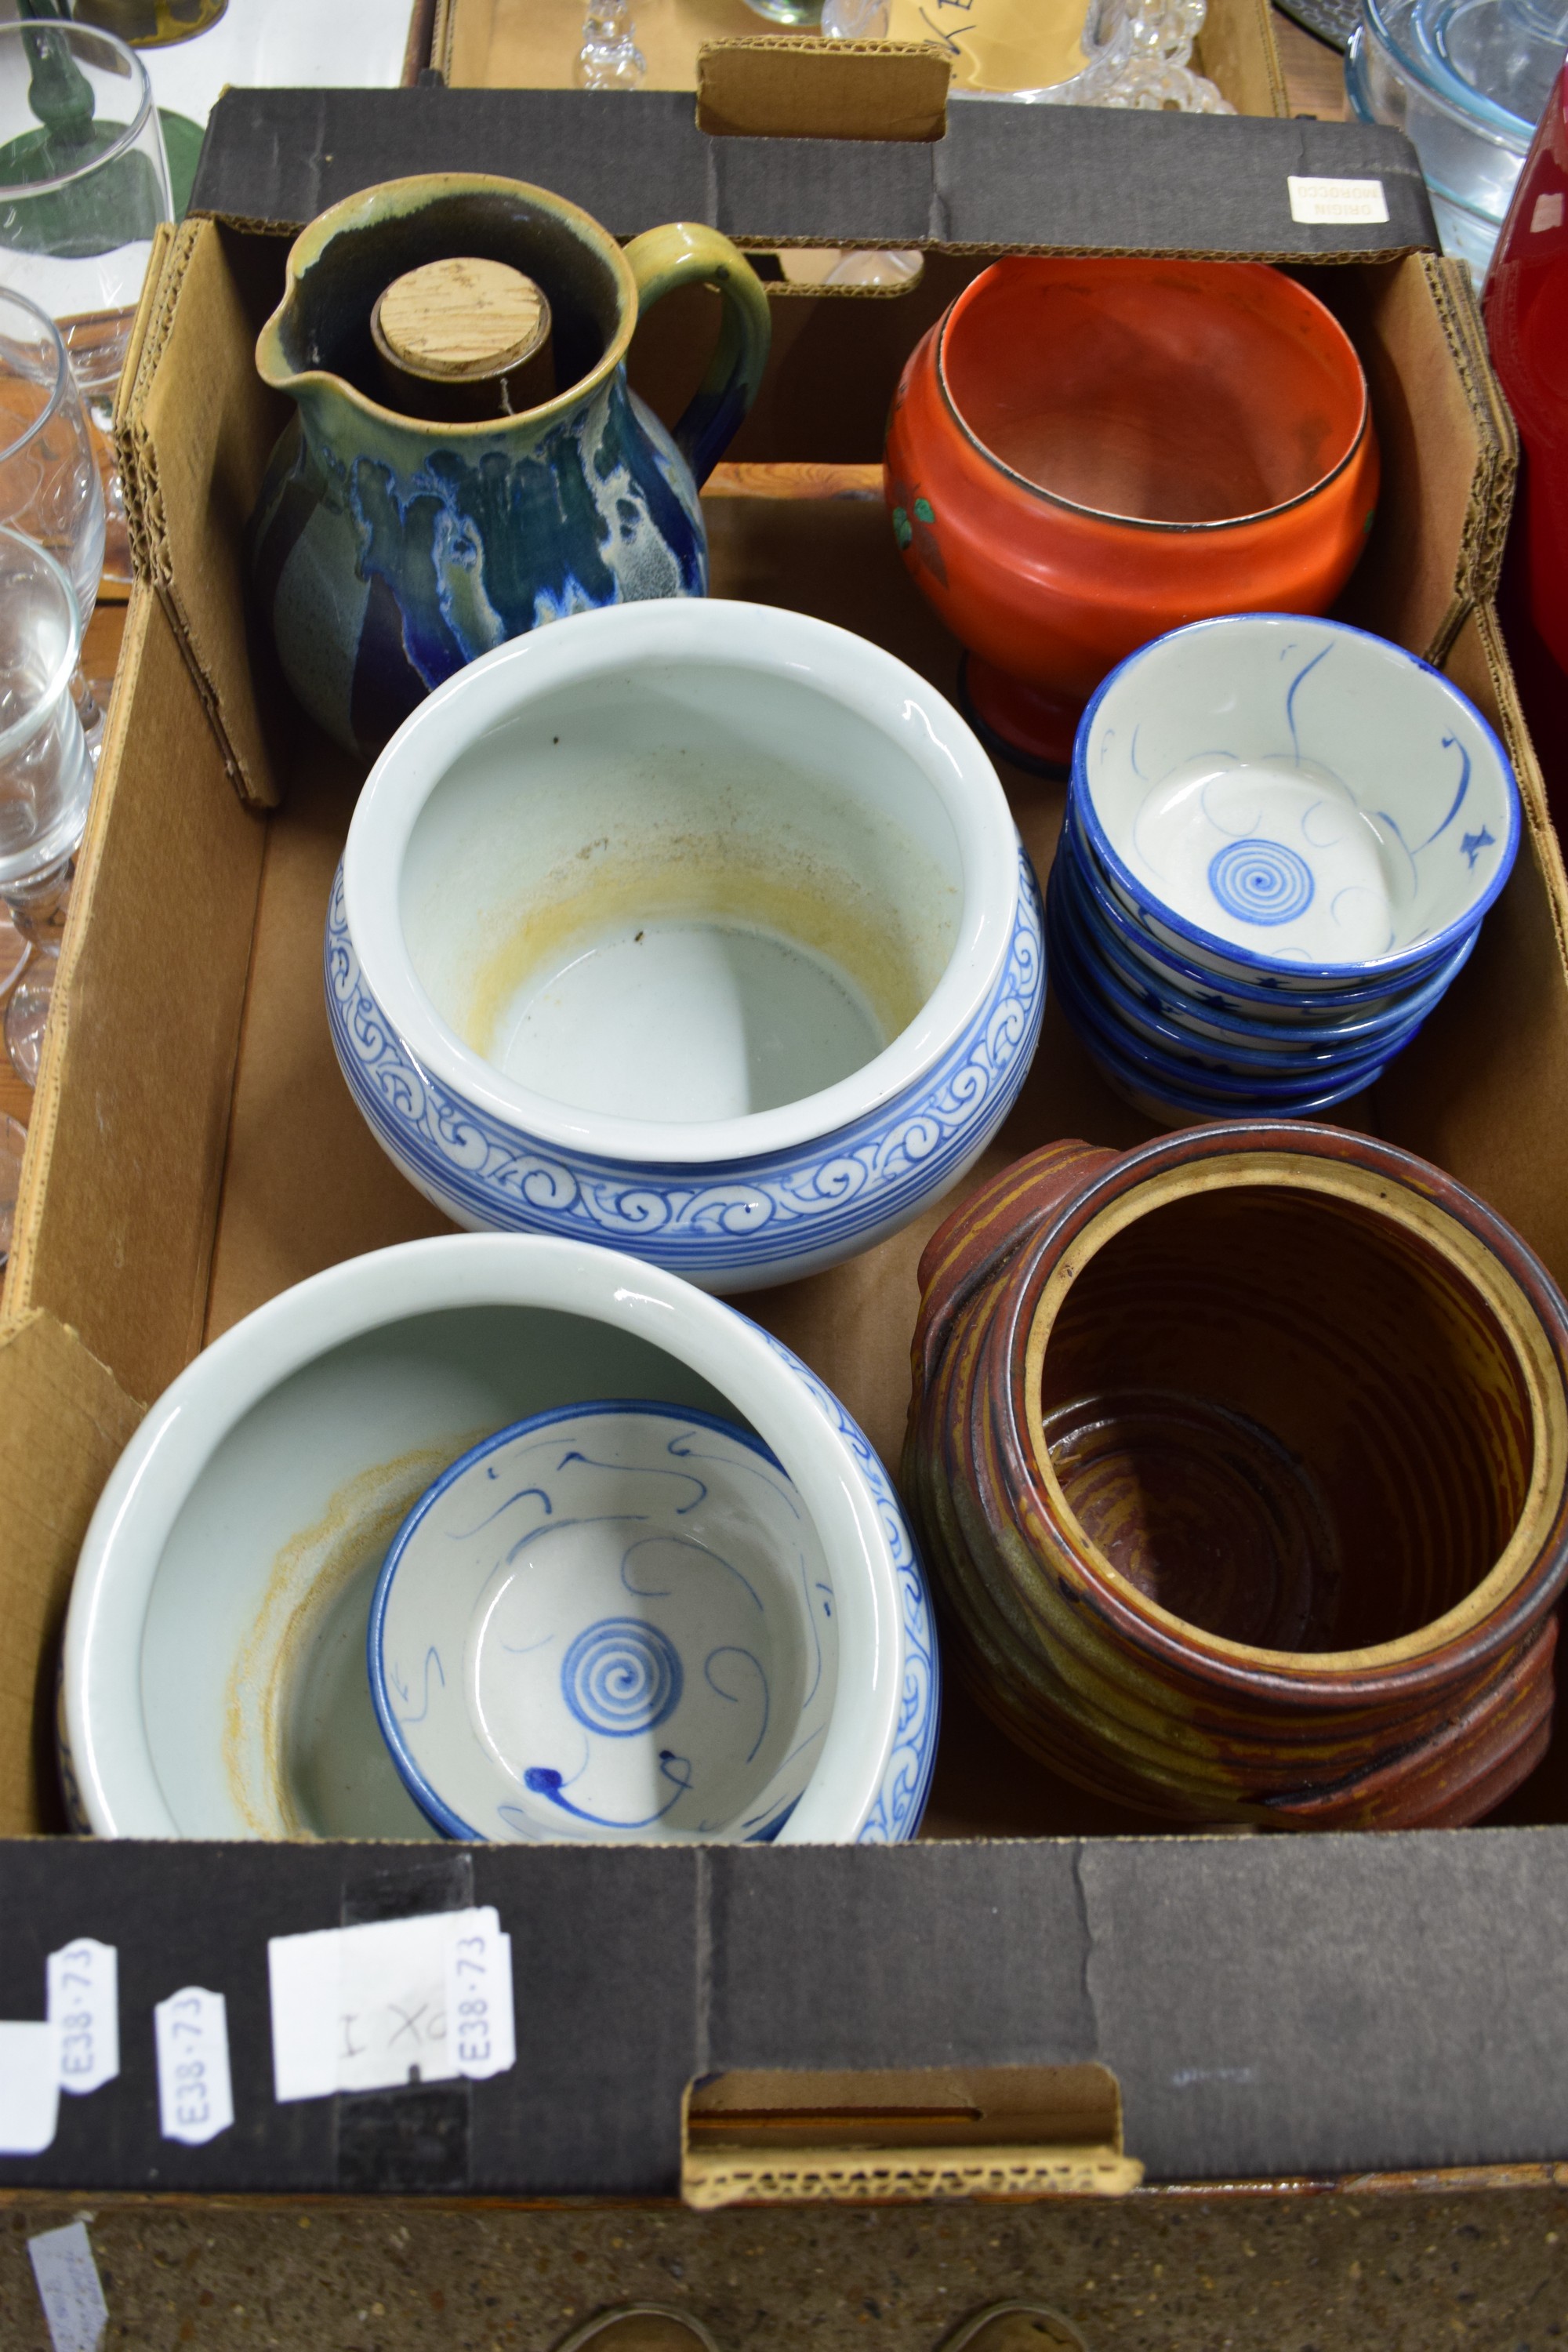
(686, 253)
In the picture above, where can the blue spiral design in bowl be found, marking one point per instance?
(621, 1676)
(1261, 881)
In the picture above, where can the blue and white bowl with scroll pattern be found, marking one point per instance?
(1282, 836)
(700, 930)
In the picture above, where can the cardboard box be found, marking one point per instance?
(1202, 2008)
(533, 44)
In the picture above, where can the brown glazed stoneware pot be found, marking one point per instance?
(1240, 1461)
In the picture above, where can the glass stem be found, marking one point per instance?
(38, 907)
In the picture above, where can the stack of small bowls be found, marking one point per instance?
(1282, 837)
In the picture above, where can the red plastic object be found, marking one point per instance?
(1083, 454)
(1527, 321)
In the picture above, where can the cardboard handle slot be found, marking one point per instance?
(772, 2137)
(775, 87)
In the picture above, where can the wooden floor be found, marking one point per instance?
(1314, 73)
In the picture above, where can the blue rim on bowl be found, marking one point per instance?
(1095, 970)
(1273, 1002)
(1303, 974)
(1161, 991)
(1142, 1085)
(1203, 1091)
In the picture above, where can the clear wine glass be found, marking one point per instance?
(50, 487)
(45, 772)
(84, 185)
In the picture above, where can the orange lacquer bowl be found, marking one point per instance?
(1083, 454)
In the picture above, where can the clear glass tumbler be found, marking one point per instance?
(45, 772)
(84, 185)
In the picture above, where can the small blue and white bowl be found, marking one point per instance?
(1236, 1070)
(1261, 1000)
(1282, 837)
(693, 928)
(1195, 1009)
(1289, 798)
(614, 1621)
(1137, 1006)
(1135, 1065)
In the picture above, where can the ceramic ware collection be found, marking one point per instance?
(684, 946)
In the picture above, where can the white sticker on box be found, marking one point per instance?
(29, 2086)
(1337, 203)
(479, 2011)
(84, 2002)
(195, 2096)
(372, 2008)
(70, 2288)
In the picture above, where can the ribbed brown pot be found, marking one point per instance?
(1241, 1465)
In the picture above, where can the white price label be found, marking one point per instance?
(70, 2288)
(196, 2096)
(29, 2086)
(394, 2001)
(481, 2023)
(84, 2002)
(1337, 203)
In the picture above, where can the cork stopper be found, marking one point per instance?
(464, 338)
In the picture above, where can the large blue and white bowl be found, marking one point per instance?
(1288, 799)
(215, 1680)
(697, 929)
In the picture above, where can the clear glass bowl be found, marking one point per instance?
(1466, 80)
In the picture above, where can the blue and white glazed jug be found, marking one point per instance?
(387, 551)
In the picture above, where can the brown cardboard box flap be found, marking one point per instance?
(162, 911)
(188, 494)
(821, 89)
(65, 1421)
(533, 44)
(1449, 457)
(1238, 51)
